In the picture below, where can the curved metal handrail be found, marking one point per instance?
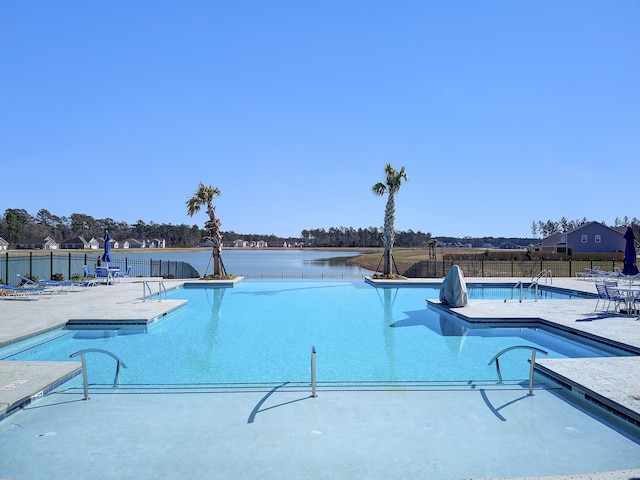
(84, 366)
(519, 284)
(534, 350)
(546, 274)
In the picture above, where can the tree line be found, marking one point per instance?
(18, 224)
(543, 229)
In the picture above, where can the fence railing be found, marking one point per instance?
(70, 266)
(509, 268)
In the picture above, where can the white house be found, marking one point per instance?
(38, 243)
(133, 243)
(156, 243)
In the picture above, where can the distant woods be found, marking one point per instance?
(18, 224)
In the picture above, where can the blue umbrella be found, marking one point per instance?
(106, 256)
(630, 267)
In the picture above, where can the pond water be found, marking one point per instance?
(258, 262)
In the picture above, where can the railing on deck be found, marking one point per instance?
(70, 265)
(532, 362)
(508, 268)
(147, 288)
(84, 366)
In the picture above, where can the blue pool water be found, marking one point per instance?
(263, 332)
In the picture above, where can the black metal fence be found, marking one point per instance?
(509, 268)
(71, 265)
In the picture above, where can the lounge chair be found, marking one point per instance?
(8, 292)
(590, 273)
(52, 286)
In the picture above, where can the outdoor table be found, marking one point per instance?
(629, 292)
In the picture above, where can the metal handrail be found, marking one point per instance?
(519, 284)
(313, 371)
(161, 288)
(536, 280)
(84, 367)
(543, 274)
(532, 361)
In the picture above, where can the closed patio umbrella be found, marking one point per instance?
(106, 256)
(630, 267)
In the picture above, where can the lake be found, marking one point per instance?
(258, 262)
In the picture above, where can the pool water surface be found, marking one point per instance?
(263, 332)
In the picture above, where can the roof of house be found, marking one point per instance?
(74, 241)
(36, 241)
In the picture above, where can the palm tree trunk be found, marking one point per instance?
(213, 225)
(388, 236)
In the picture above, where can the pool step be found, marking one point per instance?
(109, 324)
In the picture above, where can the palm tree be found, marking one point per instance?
(391, 185)
(204, 195)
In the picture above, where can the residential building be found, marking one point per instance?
(38, 243)
(132, 243)
(75, 243)
(591, 237)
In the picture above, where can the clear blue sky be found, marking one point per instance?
(503, 112)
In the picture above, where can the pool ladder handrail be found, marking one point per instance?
(532, 361)
(161, 288)
(546, 274)
(84, 366)
(519, 284)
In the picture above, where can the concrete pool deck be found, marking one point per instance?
(616, 381)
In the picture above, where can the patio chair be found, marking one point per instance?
(102, 275)
(607, 296)
(636, 303)
(118, 275)
(87, 273)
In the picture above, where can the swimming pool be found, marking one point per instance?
(440, 433)
(262, 332)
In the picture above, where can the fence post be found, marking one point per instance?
(31, 264)
(69, 277)
(6, 268)
(570, 268)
